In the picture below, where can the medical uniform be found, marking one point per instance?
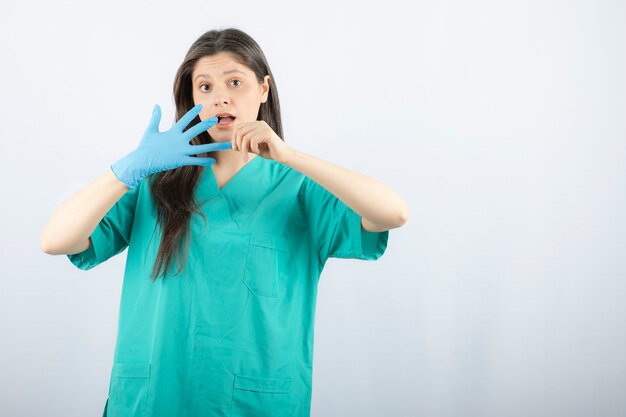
(232, 334)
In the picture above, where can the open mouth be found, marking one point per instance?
(225, 120)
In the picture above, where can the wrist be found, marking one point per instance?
(125, 170)
(290, 156)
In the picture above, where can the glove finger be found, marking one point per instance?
(188, 117)
(210, 147)
(153, 126)
(195, 130)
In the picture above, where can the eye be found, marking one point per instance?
(204, 91)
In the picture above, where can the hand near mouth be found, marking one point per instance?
(258, 137)
(161, 151)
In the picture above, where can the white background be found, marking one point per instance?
(502, 123)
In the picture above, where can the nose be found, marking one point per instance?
(220, 96)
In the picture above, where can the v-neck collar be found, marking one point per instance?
(227, 207)
(212, 180)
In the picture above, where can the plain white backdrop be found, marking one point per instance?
(502, 123)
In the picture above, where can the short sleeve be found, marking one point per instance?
(112, 234)
(335, 228)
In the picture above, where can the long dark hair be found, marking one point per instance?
(173, 190)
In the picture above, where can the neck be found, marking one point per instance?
(231, 160)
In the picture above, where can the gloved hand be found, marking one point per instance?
(161, 151)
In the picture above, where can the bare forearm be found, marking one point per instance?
(380, 207)
(70, 226)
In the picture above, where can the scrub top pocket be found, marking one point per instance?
(261, 397)
(129, 390)
(264, 264)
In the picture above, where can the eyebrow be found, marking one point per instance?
(224, 73)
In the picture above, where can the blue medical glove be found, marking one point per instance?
(162, 151)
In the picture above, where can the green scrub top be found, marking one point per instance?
(232, 334)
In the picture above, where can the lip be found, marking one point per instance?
(224, 114)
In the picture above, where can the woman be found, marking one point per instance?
(251, 224)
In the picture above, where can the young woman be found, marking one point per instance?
(251, 224)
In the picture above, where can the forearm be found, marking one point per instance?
(70, 226)
(375, 202)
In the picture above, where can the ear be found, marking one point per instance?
(265, 88)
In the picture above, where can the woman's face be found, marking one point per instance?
(222, 85)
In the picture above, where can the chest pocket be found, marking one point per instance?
(265, 263)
